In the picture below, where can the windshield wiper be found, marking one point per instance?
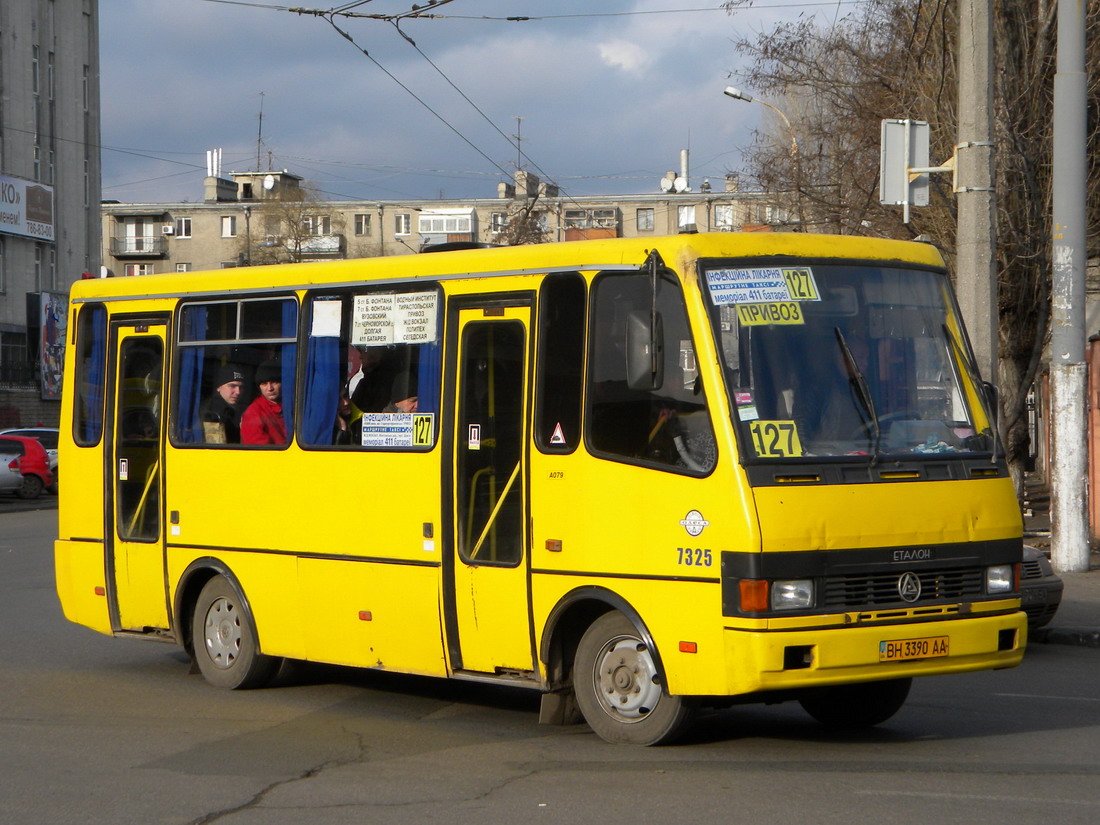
(863, 392)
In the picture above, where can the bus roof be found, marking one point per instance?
(572, 256)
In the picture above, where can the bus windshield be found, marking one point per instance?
(843, 360)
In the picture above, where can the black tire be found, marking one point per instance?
(223, 636)
(856, 706)
(619, 689)
(31, 487)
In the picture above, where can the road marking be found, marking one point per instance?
(1087, 803)
(1048, 698)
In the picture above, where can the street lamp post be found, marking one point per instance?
(796, 157)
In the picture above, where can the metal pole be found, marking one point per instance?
(1068, 374)
(976, 240)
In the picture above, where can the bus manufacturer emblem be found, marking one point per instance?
(694, 522)
(909, 586)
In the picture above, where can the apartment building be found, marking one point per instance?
(268, 217)
(49, 191)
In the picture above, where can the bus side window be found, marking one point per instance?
(90, 373)
(372, 370)
(560, 363)
(224, 347)
(668, 425)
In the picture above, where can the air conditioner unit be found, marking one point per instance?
(168, 229)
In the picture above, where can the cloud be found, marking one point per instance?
(629, 57)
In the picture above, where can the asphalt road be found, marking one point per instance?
(102, 730)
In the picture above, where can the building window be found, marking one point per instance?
(38, 267)
(685, 218)
(645, 219)
(317, 225)
(723, 217)
(34, 70)
(228, 264)
(498, 222)
(402, 224)
(84, 88)
(132, 270)
(183, 267)
(590, 219)
(429, 224)
(183, 228)
(229, 226)
(362, 224)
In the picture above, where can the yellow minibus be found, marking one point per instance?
(641, 476)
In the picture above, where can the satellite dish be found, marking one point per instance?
(269, 182)
(666, 184)
(680, 184)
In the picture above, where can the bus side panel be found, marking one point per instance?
(322, 526)
(78, 571)
(264, 579)
(373, 615)
(634, 526)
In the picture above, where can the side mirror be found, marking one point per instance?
(645, 356)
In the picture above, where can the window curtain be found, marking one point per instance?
(322, 389)
(188, 421)
(93, 388)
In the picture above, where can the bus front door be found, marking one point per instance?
(489, 612)
(135, 481)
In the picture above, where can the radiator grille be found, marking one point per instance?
(855, 592)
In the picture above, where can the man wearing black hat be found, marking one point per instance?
(262, 422)
(221, 412)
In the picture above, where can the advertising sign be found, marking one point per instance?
(26, 208)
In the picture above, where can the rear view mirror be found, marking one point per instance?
(645, 357)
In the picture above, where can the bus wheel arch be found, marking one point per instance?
(218, 628)
(586, 631)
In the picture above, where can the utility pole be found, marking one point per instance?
(976, 240)
(1068, 373)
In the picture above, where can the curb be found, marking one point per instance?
(1078, 636)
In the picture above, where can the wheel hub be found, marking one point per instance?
(223, 633)
(626, 680)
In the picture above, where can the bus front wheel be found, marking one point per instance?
(619, 689)
(224, 639)
(856, 706)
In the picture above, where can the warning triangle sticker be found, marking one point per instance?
(558, 438)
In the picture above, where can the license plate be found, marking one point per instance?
(900, 650)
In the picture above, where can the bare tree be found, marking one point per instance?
(897, 59)
(290, 227)
(524, 224)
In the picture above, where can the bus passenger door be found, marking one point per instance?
(488, 597)
(135, 479)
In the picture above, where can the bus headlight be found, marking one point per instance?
(792, 594)
(1000, 578)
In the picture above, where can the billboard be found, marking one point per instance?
(26, 208)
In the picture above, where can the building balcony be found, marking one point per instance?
(142, 246)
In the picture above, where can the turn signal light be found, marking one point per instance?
(754, 595)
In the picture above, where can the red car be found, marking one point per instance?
(24, 466)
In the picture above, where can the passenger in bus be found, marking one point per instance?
(348, 427)
(403, 396)
(221, 411)
(262, 422)
(369, 388)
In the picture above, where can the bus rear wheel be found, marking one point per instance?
(619, 688)
(223, 635)
(856, 706)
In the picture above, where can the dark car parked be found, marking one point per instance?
(24, 466)
(1040, 588)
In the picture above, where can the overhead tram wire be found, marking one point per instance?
(415, 97)
(514, 143)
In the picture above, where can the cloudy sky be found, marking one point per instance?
(608, 98)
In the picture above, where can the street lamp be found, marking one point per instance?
(796, 157)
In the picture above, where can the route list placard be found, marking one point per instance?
(403, 318)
